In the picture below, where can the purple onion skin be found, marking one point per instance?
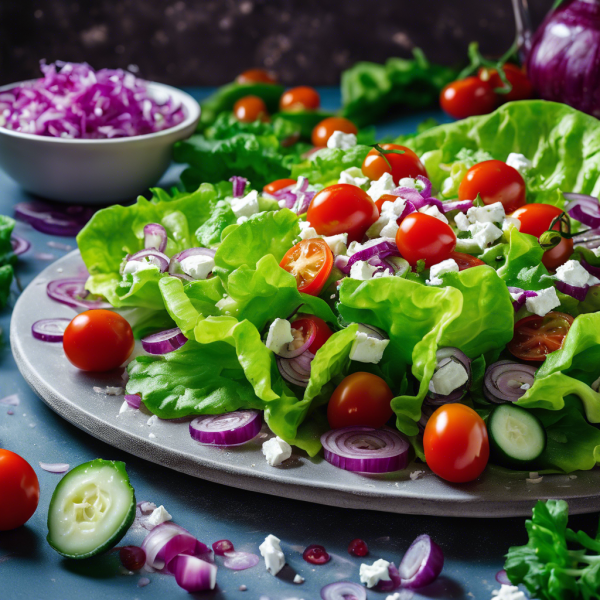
(429, 569)
(563, 64)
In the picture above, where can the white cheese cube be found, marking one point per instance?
(367, 349)
(245, 206)
(462, 222)
(353, 176)
(152, 421)
(484, 234)
(276, 451)
(341, 140)
(134, 266)
(467, 245)
(409, 182)
(446, 266)
(152, 240)
(390, 228)
(508, 592)
(308, 233)
(198, 266)
(362, 270)
(384, 185)
(519, 162)
(158, 516)
(596, 252)
(511, 222)
(298, 579)
(303, 225)
(545, 301)
(491, 213)
(371, 575)
(271, 551)
(280, 334)
(572, 273)
(337, 243)
(433, 211)
(448, 378)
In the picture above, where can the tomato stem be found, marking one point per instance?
(384, 151)
(477, 60)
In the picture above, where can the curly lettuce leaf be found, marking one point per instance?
(324, 167)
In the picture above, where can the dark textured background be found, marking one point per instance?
(208, 42)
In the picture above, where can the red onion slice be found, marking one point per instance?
(365, 450)
(49, 330)
(343, 590)
(54, 219)
(239, 185)
(292, 350)
(461, 205)
(193, 574)
(579, 293)
(239, 561)
(19, 245)
(583, 208)
(503, 381)
(595, 271)
(422, 563)
(72, 293)
(153, 256)
(393, 583)
(54, 467)
(133, 400)
(291, 372)
(175, 262)
(164, 341)
(12, 400)
(502, 578)
(588, 239)
(229, 429)
(155, 237)
(426, 191)
(341, 263)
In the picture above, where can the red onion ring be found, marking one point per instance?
(588, 239)
(365, 450)
(164, 341)
(49, 330)
(175, 262)
(342, 590)
(308, 338)
(72, 292)
(502, 578)
(239, 185)
(153, 256)
(239, 561)
(19, 245)
(381, 249)
(461, 205)
(422, 563)
(152, 230)
(57, 468)
(595, 271)
(579, 293)
(503, 381)
(55, 219)
(583, 208)
(193, 574)
(229, 429)
(133, 400)
(291, 372)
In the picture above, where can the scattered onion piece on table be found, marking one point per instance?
(422, 563)
(54, 467)
(133, 400)
(239, 561)
(340, 590)
(55, 219)
(72, 292)
(19, 245)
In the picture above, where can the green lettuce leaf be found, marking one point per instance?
(7, 255)
(6, 277)
(324, 167)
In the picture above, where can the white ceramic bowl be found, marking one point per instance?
(94, 171)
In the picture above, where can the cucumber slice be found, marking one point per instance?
(517, 438)
(91, 509)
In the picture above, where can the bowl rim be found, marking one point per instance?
(191, 106)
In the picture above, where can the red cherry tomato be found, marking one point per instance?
(249, 109)
(342, 208)
(324, 130)
(19, 490)
(535, 220)
(468, 97)
(456, 443)
(310, 262)
(309, 323)
(535, 337)
(98, 340)
(360, 399)
(522, 89)
(403, 165)
(385, 198)
(300, 98)
(277, 185)
(465, 261)
(494, 181)
(256, 76)
(423, 237)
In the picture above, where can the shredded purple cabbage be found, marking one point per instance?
(74, 101)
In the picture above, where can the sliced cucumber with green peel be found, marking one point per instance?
(91, 509)
(517, 438)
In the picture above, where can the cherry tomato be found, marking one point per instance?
(277, 185)
(465, 261)
(360, 399)
(403, 165)
(342, 208)
(98, 340)
(324, 130)
(522, 89)
(249, 109)
(423, 237)
(494, 181)
(309, 323)
(468, 97)
(385, 198)
(20, 490)
(456, 443)
(535, 337)
(310, 262)
(300, 98)
(535, 220)
(256, 76)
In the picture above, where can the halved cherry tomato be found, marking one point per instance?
(249, 109)
(456, 443)
(277, 185)
(535, 220)
(98, 340)
(361, 399)
(306, 324)
(468, 97)
(465, 261)
(342, 208)
(385, 198)
(300, 98)
(535, 337)
(423, 237)
(20, 490)
(256, 76)
(310, 262)
(522, 89)
(325, 129)
(494, 181)
(403, 165)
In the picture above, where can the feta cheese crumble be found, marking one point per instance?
(371, 575)
(367, 349)
(337, 243)
(491, 213)
(135, 266)
(387, 223)
(158, 516)
(508, 592)
(245, 206)
(353, 176)
(448, 378)
(308, 233)
(198, 266)
(433, 211)
(572, 273)
(298, 579)
(416, 475)
(341, 140)
(519, 162)
(446, 266)
(280, 334)
(484, 234)
(276, 451)
(384, 185)
(545, 301)
(152, 421)
(271, 551)
(362, 270)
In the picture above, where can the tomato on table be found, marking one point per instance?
(423, 237)
(342, 208)
(535, 337)
(403, 165)
(19, 490)
(456, 443)
(465, 261)
(494, 181)
(256, 76)
(98, 340)
(249, 109)
(361, 399)
(300, 98)
(522, 89)
(325, 129)
(468, 97)
(310, 262)
(277, 185)
(309, 323)
(536, 220)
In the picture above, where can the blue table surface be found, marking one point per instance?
(31, 570)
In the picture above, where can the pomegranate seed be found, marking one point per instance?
(315, 554)
(133, 558)
(358, 547)
(222, 546)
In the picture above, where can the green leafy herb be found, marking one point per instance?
(7, 258)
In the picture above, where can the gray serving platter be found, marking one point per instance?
(70, 393)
